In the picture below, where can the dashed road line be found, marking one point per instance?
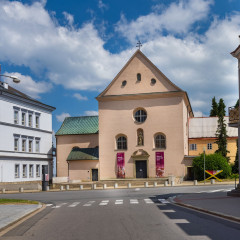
(119, 202)
(163, 201)
(148, 201)
(89, 203)
(59, 205)
(168, 211)
(134, 201)
(74, 204)
(104, 203)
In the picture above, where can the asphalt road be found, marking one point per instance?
(121, 214)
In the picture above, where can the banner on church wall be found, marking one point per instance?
(120, 165)
(159, 164)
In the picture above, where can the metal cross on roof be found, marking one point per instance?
(139, 44)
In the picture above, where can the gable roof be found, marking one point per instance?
(126, 65)
(83, 154)
(79, 125)
(17, 93)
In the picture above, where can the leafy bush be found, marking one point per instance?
(212, 162)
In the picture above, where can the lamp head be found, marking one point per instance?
(15, 79)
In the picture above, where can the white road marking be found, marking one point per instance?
(89, 203)
(163, 201)
(134, 201)
(148, 201)
(104, 203)
(137, 189)
(48, 205)
(119, 202)
(217, 190)
(60, 205)
(169, 210)
(179, 220)
(74, 204)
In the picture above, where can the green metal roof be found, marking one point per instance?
(83, 154)
(79, 125)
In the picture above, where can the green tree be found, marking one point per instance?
(214, 110)
(212, 162)
(235, 167)
(221, 132)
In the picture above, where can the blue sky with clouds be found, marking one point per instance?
(67, 52)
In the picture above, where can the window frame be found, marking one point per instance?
(16, 116)
(208, 146)
(37, 145)
(160, 143)
(30, 145)
(121, 144)
(24, 144)
(17, 173)
(37, 120)
(140, 115)
(16, 140)
(31, 170)
(193, 147)
(24, 171)
(38, 170)
(30, 120)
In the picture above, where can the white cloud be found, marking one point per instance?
(79, 96)
(69, 18)
(177, 18)
(102, 5)
(91, 113)
(62, 116)
(27, 85)
(199, 114)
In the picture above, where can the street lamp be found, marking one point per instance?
(14, 78)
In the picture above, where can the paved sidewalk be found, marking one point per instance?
(9, 214)
(218, 204)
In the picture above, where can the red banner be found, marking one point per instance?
(120, 165)
(159, 164)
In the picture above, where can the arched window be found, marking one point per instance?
(121, 142)
(160, 141)
(139, 77)
(140, 137)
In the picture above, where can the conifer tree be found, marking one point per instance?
(221, 132)
(214, 110)
(237, 104)
(235, 167)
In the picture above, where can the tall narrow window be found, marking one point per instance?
(24, 145)
(37, 121)
(139, 77)
(17, 171)
(16, 119)
(24, 174)
(122, 143)
(140, 137)
(23, 118)
(30, 145)
(193, 146)
(16, 144)
(30, 120)
(31, 170)
(209, 146)
(160, 141)
(37, 144)
(38, 170)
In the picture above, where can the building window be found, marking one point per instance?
(23, 145)
(31, 170)
(140, 137)
(160, 141)
(37, 146)
(16, 144)
(16, 118)
(140, 115)
(38, 170)
(17, 171)
(193, 147)
(24, 170)
(139, 77)
(37, 118)
(209, 146)
(121, 143)
(30, 120)
(30, 145)
(23, 118)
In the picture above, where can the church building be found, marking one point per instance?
(141, 131)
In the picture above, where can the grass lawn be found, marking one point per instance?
(16, 201)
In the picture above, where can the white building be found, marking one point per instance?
(25, 138)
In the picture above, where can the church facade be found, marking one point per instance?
(141, 131)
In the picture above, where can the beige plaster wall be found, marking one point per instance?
(65, 144)
(82, 169)
(139, 64)
(165, 115)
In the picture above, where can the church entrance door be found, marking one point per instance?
(141, 169)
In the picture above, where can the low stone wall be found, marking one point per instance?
(8, 186)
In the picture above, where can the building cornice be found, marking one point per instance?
(29, 153)
(24, 127)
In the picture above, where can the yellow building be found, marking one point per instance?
(202, 135)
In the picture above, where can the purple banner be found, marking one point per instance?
(159, 164)
(120, 165)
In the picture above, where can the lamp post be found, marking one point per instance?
(15, 79)
(204, 166)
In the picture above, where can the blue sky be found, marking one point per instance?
(67, 52)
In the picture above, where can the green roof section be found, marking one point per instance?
(79, 125)
(83, 154)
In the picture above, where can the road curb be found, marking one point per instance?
(15, 223)
(225, 216)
